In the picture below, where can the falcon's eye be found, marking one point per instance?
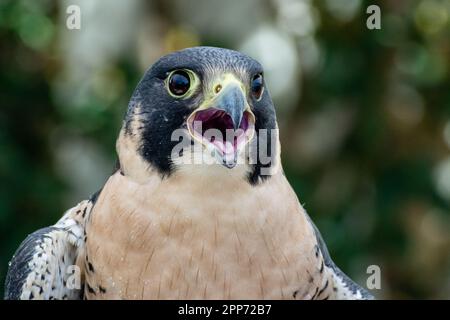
(257, 86)
(179, 83)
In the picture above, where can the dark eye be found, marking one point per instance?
(257, 86)
(179, 83)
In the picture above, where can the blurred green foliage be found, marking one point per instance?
(366, 143)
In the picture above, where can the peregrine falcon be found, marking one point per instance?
(198, 206)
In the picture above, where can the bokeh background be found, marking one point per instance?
(364, 115)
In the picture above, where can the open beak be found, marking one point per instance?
(224, 124)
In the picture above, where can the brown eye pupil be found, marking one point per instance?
(179, 83)
(257, 86)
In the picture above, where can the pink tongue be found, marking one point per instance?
(211, 118)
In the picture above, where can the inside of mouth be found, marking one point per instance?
(216, 127)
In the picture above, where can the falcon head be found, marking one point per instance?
(200, 107)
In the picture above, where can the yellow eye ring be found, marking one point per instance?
(181, 83)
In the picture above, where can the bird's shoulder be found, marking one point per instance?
(44, 266)
(341, 286)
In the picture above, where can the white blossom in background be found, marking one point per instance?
(298, 17)
(310, 54)
(107, 33)
(277, 52)
(228, 21)
(343, 10)
(300, 20)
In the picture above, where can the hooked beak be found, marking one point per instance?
(232, 102)
(224, 124)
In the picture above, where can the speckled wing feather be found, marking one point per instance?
(44, 265)
(342, 286)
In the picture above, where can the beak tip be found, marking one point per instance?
(237, 121)
(229, 165)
